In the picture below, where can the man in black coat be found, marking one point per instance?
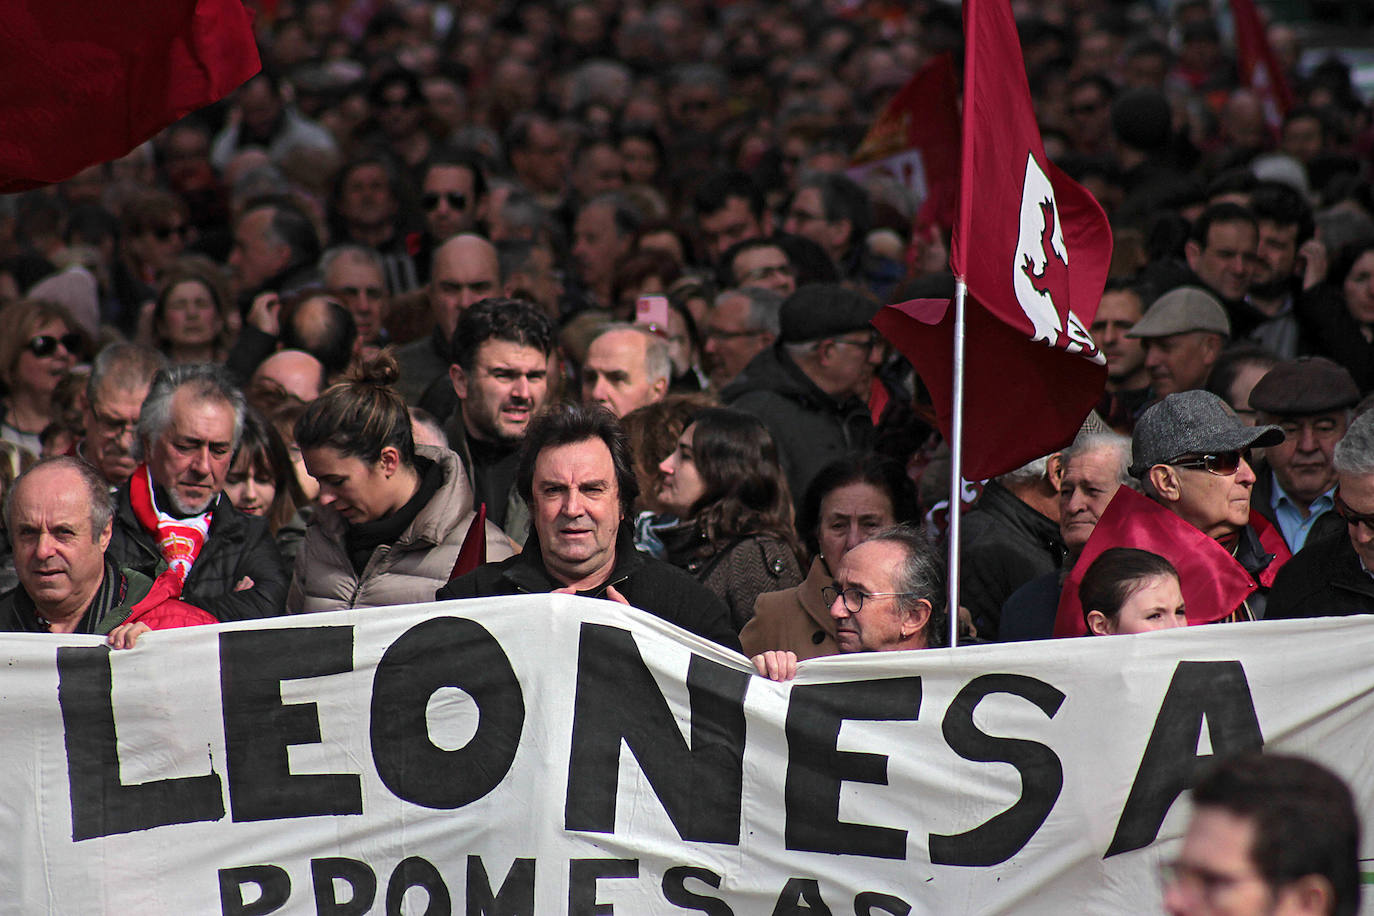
(1331, 576)
(172, 512)
(576, 476)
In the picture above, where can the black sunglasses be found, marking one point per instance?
(163, 233)
(456, 199)
(46, 344)
(1350, 515)
(1223, 464)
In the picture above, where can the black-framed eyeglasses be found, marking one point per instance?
(1223, 464)
(456, 199)
(1350, 515)
(46, 344)
(854, 597)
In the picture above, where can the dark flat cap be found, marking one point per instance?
(1192, 422)
(820, 310)
(1306, 385)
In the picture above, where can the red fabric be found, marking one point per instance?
(160, 609)
(87, 82)
(1259, 65)
(180, 540)
(1214, 584)
(473, 553)
(1031, 371)
(922, 118)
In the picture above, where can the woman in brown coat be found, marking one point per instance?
(847, 502)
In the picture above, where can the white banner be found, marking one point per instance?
(546, 755)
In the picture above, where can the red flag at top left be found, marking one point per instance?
(87, 82)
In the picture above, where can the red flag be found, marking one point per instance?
(473, 553)
(1259, 66)
(1213, 583)
(87, 82)
(915, 139)
(1033, 247)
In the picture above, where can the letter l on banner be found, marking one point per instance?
(1032, 248)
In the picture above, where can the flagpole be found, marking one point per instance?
(956, 460)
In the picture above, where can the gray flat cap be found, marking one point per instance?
(1187, 308)
(1192, 422)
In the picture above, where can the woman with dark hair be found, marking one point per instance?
(262, 482)
(735, 533)
(848, 501)
(1337, 317)
(1126, 590)
(189, 323)
(40, 344)
(392, 516)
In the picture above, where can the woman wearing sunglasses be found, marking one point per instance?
(41, 343)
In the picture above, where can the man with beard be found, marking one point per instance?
(170, 520)
(500, 375)
(1285, 225)
(119, 382)
(1128, 379)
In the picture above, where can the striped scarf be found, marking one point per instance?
(179, 539)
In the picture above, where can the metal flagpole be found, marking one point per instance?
(956, 464)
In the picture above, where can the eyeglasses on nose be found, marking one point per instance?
(1223, 464)
(46, 344)
(854, 597)
(456, 200)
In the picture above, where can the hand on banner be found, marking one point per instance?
(611, 594)
(244, 584)
(776, 665)
(126, 635)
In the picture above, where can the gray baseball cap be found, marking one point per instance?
(1192, 422)
(1187, 308)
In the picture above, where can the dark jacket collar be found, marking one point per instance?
(529, 574)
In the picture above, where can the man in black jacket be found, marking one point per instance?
(575, 473)
(172, 515)
(1332, 576)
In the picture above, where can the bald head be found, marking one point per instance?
(465, 271)
(297, 372)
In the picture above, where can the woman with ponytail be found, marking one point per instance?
(392, 515)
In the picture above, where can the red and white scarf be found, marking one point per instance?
(179, 539)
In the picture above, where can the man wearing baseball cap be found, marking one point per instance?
(1310, 399)
(1183, 333)
(1189, 453)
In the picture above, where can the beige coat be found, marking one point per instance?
(408, 571)
(795, 619)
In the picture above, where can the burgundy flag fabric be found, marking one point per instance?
(1033, 247)
(473, 553)
(915, 139)
(87, 82)
(1213, 583)
(1259, 66)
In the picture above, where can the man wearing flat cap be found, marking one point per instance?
(1189, 453)
(1310, 399)
(1334, 575)
(811, 387)
(1183, 333)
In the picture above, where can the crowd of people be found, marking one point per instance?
(576, 297)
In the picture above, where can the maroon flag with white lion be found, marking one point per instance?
(1033, 247)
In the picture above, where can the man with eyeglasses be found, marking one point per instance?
(1334, 575)
(811, 388)
(1310, 399)
(1270, 835)
(741, 324)
(119, 382)
(888, 595)
(760, 263)
(1189, 453)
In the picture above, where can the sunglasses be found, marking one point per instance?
(1223, 464)
(164, 233)
(456, 200)
(46, 344)
(1350, 515)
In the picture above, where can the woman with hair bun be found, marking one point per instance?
(392, 516)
